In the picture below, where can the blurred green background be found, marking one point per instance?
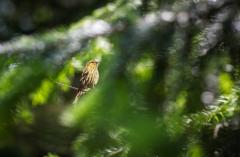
(169, 78)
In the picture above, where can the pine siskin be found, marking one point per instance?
(89, 77)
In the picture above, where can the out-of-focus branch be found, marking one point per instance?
(63, 44)
(60, 43)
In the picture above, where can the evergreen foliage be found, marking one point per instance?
(169, 82)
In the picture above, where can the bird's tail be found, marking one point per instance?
(80, 93)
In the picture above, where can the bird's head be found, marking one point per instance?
(92, 64)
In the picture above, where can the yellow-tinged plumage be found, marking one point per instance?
(89, 77)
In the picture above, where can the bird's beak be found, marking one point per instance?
(98, 60)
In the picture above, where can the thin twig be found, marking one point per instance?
(63, 84)
(72, 87)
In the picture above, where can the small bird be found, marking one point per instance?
(89, 77)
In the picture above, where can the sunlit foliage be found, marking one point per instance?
(169, 81)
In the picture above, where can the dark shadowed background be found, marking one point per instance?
(169, 78)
